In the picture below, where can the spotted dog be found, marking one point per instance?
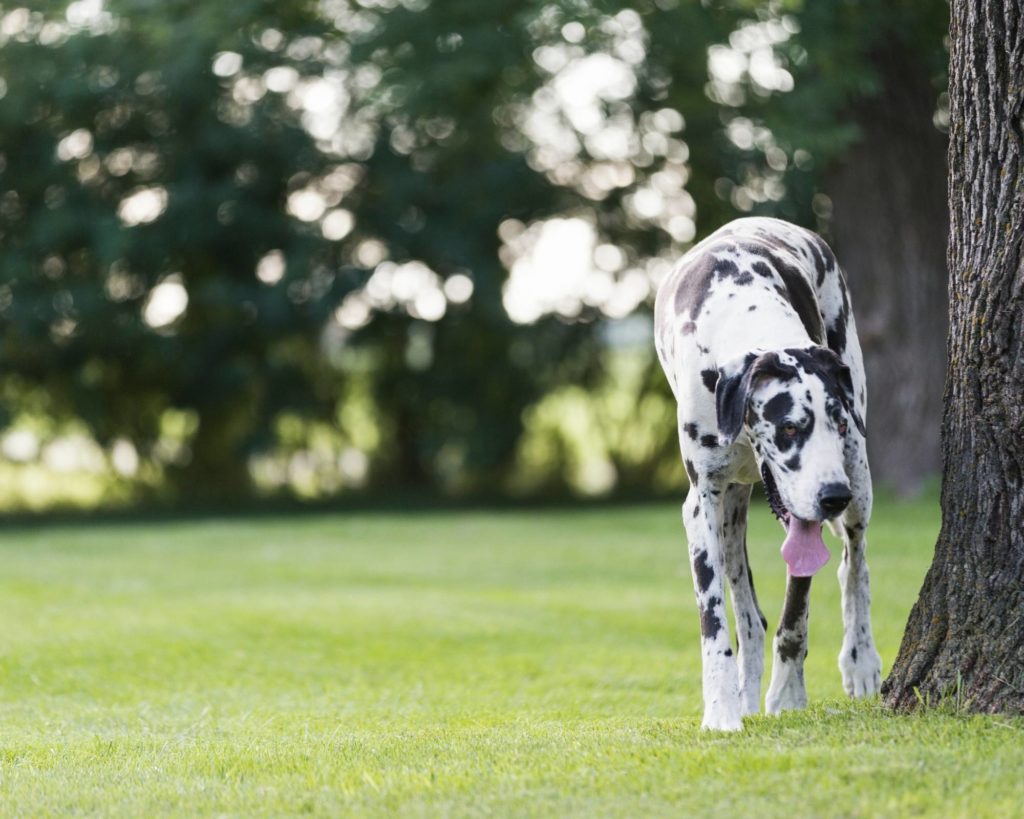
(754, 331)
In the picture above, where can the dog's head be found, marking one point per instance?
(797, 406)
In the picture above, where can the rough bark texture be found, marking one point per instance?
(966, 632)
(890, 225)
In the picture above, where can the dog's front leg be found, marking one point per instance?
(701, 515)
(750, 622)
(787, 690)
(859, 661)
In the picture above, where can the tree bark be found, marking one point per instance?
(890, 228)
(966, 632)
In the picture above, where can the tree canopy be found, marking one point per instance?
(222, 223)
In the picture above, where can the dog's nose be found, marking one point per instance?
(833, 499)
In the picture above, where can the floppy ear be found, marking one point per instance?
(735, 381)
(731, 393)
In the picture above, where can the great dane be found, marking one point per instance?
(754, 331)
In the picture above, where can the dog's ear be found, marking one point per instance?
(735, 382)
(834, 366)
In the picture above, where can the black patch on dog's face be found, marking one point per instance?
(690, 429)
(710, 379)
(834, 375)
(784, 441)
(787, 415)
(778, 408)
(733, 389)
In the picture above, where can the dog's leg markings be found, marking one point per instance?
(702, 518)
(859, 661)
(750, 622)
(787, 690)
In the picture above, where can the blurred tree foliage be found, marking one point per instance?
(281, 164)
(128, 162)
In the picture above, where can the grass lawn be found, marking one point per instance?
(485, 663)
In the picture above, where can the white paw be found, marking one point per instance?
(722, 715)
(787, 691)
(861, 667)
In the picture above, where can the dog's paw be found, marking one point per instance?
(787, 691)
(861, 667)
(722, 716)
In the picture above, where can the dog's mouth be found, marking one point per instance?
(803, 549)
(771, 489)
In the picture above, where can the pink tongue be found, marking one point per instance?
(803, 550)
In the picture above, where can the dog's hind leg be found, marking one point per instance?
(787, 689)
(702, 519)
(750, 621)
(859, 662)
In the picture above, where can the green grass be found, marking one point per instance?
(504, 663)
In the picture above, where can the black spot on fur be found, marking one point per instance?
(728, 652)
(727, 269)
(804, 302)
(783, 442)
(702, 571)
(796, 290)
(695, 286)
(853, 654)
(778, 407)
(824, 259)
(691, 473)
(793, 464)
(710, 379)
(836, 336)
(709, 441)
(797, 591)
(752, 308)
(790, 648)
(710, 625)
(690, 429)
(834, 376)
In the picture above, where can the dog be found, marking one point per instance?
(754, 331)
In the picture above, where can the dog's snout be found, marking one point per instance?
(833, 499)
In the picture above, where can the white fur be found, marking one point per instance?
(713, 332)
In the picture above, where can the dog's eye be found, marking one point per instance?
(790, 430)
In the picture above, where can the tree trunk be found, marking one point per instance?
(890, 226)
(966, 632)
